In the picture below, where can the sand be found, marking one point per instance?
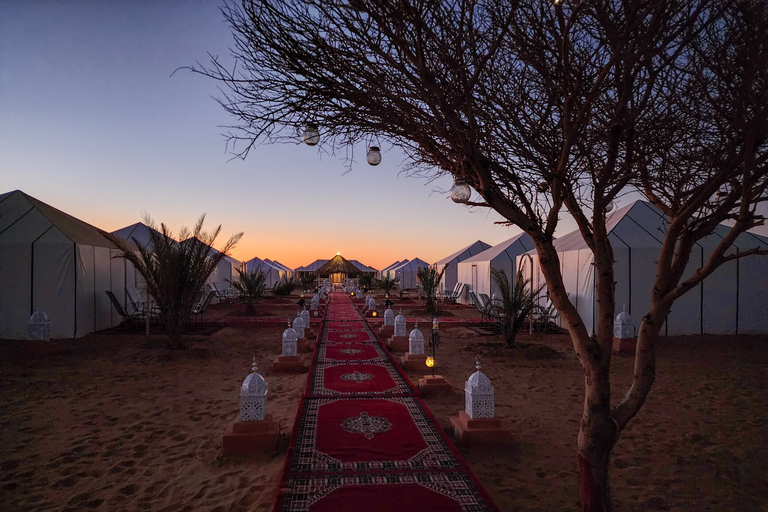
(114, 422)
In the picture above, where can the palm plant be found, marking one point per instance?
(308, 281)
(175, 271)
(284, 286)
(251, 287)
(429, 281)
(517, 302)
(386, 283)
(366, 281)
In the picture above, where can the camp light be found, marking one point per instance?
(311, 135)
(460, 191)
(374, 314)
(374, 155)
(430, 361)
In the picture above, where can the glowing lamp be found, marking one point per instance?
(351, 294)
(311, 135)
(374, 155)
(374, 313)
(430, 361)
(460, 191)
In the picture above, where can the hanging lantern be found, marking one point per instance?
(460, 191)
(311, 135)
(430, 361)
(374, 155)
(435, 324)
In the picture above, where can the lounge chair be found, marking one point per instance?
(453, 296)
(201, 307)
(129, 315)
(545, 315)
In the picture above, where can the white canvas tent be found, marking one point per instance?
(406, 273)
(730, 301)
(385, 272)
(271, 273)
(53, 262)
(476, 270)
(286, 270)
(451, 275)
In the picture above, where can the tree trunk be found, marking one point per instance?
(594, 488)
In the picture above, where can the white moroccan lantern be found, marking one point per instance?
(478, 395)
(311, 135)
(38, 326)
(314, 304)
(400, 324)
(460, 191)
(253, 397)
(623, 326)
(416, 341)
(290, 339)
(305, 318)
(298, 326)
(389, 317)
(374, 155)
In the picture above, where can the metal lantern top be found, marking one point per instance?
(460, 191)
(478, 383)
(39, 317)
(254, 384)
(374, 155)
(311, 135)
(389, 317)
(298, 321)
(416, 335)
(623, 325)
(305, 316)
(289, 335)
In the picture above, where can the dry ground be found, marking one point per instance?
(113, 422)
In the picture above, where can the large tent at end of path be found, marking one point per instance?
(338, 268)
(55, 263)
(733, 300)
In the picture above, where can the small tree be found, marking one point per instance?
(517, 302)
(429, 281)
(175, 271)
(284, 286)
(308, 281)
(366, 281)
(386, 283)
(251, 287)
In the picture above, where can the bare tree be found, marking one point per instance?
(542, 107)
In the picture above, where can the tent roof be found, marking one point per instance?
(338, 265)
(411, 265)
(284, 267)
(140, 231)
(467, 252)
(312, 266)
(523, 240)
(394, 265)
(16, 205)
(363, 267)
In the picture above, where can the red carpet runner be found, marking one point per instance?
(364, 440)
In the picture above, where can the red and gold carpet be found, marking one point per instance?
(363, 439)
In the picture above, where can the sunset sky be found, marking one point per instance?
(93, 123)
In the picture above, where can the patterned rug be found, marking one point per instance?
(363, 439)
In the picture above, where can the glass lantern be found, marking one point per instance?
(374, 155)
(460, 191)
(311, 135)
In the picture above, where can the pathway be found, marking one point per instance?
(363, 439)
